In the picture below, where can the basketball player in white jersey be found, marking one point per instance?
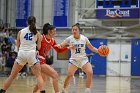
(78, 57)
(26, 43)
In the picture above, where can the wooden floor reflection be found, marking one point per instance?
(99, 85)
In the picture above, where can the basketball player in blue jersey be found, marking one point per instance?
(26, 43)
(78, 57)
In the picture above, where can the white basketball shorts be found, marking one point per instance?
(27, 57)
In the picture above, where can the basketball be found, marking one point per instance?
(103, 50)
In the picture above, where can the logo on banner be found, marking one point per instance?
(117, 13)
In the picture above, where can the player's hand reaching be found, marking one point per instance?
(58, 45)
(71, 46)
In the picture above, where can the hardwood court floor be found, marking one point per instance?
(99, 85)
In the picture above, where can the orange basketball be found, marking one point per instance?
(103, 50)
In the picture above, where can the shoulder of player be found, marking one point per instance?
(71, 36)
(82, 36)
(19, 32)
(24, 29)
(38, 33)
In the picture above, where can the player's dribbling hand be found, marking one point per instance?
(103, 50)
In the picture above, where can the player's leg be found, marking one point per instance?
(18, 65)
(87, 68)
(33, 62)
(44, 76)
(49, 71)
(71, 70)
(36, 69)
(15, 70)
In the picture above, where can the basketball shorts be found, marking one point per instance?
(27, 57)
(79, 62)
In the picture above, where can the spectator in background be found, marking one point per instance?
(4, 48)
(1, 61)
(11, 39)
(10, 62)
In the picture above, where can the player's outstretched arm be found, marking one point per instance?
(61, 45)
(92, 48)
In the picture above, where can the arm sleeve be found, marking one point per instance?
(58, 49)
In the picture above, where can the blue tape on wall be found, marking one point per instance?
(60, 17)
(23, 10)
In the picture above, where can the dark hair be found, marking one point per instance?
(47, 27)
(77, 25)
(32, 21)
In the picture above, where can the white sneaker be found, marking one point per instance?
(18, 75)
(24, 75)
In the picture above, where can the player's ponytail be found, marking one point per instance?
(47, 27)
(31, 22)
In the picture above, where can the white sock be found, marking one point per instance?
(87, 90)
(64, 89)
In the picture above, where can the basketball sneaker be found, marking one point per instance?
(2, 91)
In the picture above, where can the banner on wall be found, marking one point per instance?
(60, 14)
(23, 10)
(117, 13)
(117, 9)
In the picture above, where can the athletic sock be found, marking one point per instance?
(87, 90)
